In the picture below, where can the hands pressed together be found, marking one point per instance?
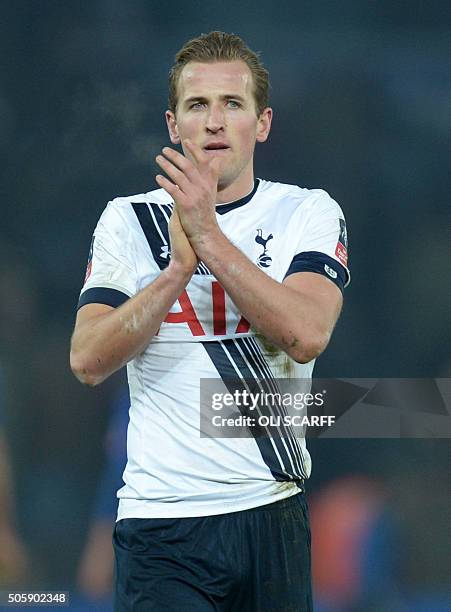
(193, 187)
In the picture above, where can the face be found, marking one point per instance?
(216, 110)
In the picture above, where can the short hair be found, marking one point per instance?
(220, 47)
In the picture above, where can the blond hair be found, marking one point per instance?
(220, 47)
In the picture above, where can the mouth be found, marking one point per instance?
(216, 147)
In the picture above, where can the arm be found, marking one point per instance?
(297, 315)
(105, 338)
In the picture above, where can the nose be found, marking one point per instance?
(215, 119)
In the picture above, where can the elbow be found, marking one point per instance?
(307, 350)
(83, 372)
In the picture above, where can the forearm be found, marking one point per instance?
(103, 344)
(289, 319)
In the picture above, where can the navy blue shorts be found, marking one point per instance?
(256, 560)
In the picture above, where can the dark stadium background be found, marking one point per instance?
(362, 97)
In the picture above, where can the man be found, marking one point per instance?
(180, 290)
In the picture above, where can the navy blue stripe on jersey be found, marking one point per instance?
(154, 221)
(233, 380)
(154, 236)
(162, 216)
(167, 209)
(102, 295)
(222, 209)
(314, 261)
(237, 376)
(255, 356)
(161, 222)
(256, 361)
(283, 434)
(202, 269)
(250, 368)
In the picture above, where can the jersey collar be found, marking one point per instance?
(225, 208)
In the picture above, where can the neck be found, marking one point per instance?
(240, 188)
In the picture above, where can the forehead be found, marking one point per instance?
(201, 79)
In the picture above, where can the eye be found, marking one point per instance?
(197, 105)
(233, 104)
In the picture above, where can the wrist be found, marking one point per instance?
(208, 243)
(180, 272)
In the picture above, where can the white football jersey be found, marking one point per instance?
(172, 471)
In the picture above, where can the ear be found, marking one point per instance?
(171, 122)
(264, 124)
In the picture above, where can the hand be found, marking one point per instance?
(194, 189)
(181, 251)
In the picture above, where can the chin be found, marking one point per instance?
(224, 182)
(226, 178)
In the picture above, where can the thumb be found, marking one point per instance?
(175, 219)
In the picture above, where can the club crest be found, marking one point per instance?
(264, 260)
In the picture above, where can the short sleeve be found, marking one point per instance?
(323, 244)
(110, 274)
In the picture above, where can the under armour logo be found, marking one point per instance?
(165, 251)
(264, 260)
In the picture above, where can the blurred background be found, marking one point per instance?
(362, 97)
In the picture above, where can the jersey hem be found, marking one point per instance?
(147, 509)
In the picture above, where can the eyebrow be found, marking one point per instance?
(204, 99)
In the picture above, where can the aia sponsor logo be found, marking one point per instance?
(187, 314)
(264, 260)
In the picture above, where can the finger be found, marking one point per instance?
(181, 162)
(215, 166)
(198, 155)
(173, 190)
(203, 160)
(173, 172)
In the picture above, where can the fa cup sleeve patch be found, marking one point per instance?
(89, 265)
(341, 250)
